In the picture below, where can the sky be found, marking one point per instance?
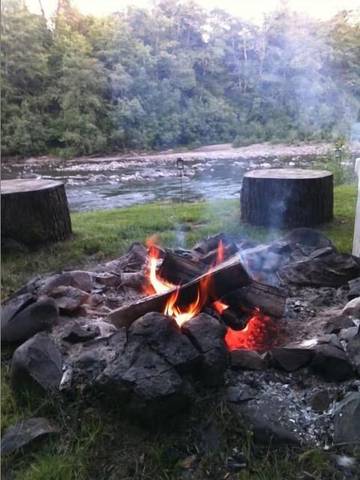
(248, 9)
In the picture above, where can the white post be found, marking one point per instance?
(356, 241)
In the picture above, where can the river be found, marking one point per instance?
(213, 172)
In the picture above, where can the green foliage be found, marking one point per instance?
(173, 75)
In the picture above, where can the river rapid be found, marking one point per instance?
(209, 173)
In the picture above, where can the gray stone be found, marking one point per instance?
(248, 360)
(354, 286)
(240, 393)
(132, 261)
(320, 401)
(262, 417)
(28, 321)
(353, 351)
(164, 336)
(291, 358)
(347, 419)
(331, 363)
(37, 362)
(25, 432)
(76, 278)
(79, 333)
(68, 299)
(14, 305)
(207, 334)
(352, 308)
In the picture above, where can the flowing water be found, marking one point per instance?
(101, 183)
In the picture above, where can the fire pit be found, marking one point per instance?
(262, 325)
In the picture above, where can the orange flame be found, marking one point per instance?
(220, 307)
(259, 334)
(159, 285)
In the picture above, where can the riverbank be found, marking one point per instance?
(221, 151)
(102, 235)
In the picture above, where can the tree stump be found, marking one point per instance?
(34, 211)
(282, 198)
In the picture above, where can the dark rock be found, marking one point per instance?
(37, 362)
(248, 360)
(239, 394)
(164, 336)
(108, 279)
(331, 363)
(337, 323)
(332, 270)
(79, 333)
(144, 383)
(68, 299)
(352, 308)
(14, 305)
(291, 358)
(320, 401)
(307, 237)
(354, 286)
(353, 351)
(262, 417)
(25, 432)
(132, 261)
(19, 324)
(347, 419)
(207, 334)
(77, 278)
(348, 334)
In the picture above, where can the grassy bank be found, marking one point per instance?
(105, 234)
(99, 444)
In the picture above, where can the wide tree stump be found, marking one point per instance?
(34, 211)
(282, 198)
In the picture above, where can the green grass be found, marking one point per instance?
(106, 234)
(99, 444)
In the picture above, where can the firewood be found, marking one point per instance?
(178, 269)
(227, 277)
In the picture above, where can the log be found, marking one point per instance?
(282, 198)
(34, 211)
(228, 276)
(271, 300)
(178, 269)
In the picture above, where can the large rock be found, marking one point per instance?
(37, 362)
(207, 334)
(331, 363)
(326, 270)
(68, 299)
(353, 351)
(248, 360)
(164, 336)
(352, 308)
(291, 358)
(354, 286)
(19, 324)
(25, 432)
(132, 261)
(76, 278)
(347, 419)
(262, 416)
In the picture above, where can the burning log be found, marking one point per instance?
(178, 269)
(269, 299)
(220, 280)
(228, 277)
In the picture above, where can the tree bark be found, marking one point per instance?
(287, 198)
(34, 211)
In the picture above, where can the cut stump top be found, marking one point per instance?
(27, 185)
(288, 173)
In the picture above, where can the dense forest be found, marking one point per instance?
(173, 75)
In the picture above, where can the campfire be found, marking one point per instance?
(257, 331)
(261, 325)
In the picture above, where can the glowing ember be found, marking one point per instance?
(220, 307)
(259, 334)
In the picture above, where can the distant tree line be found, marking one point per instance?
(173, 75)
